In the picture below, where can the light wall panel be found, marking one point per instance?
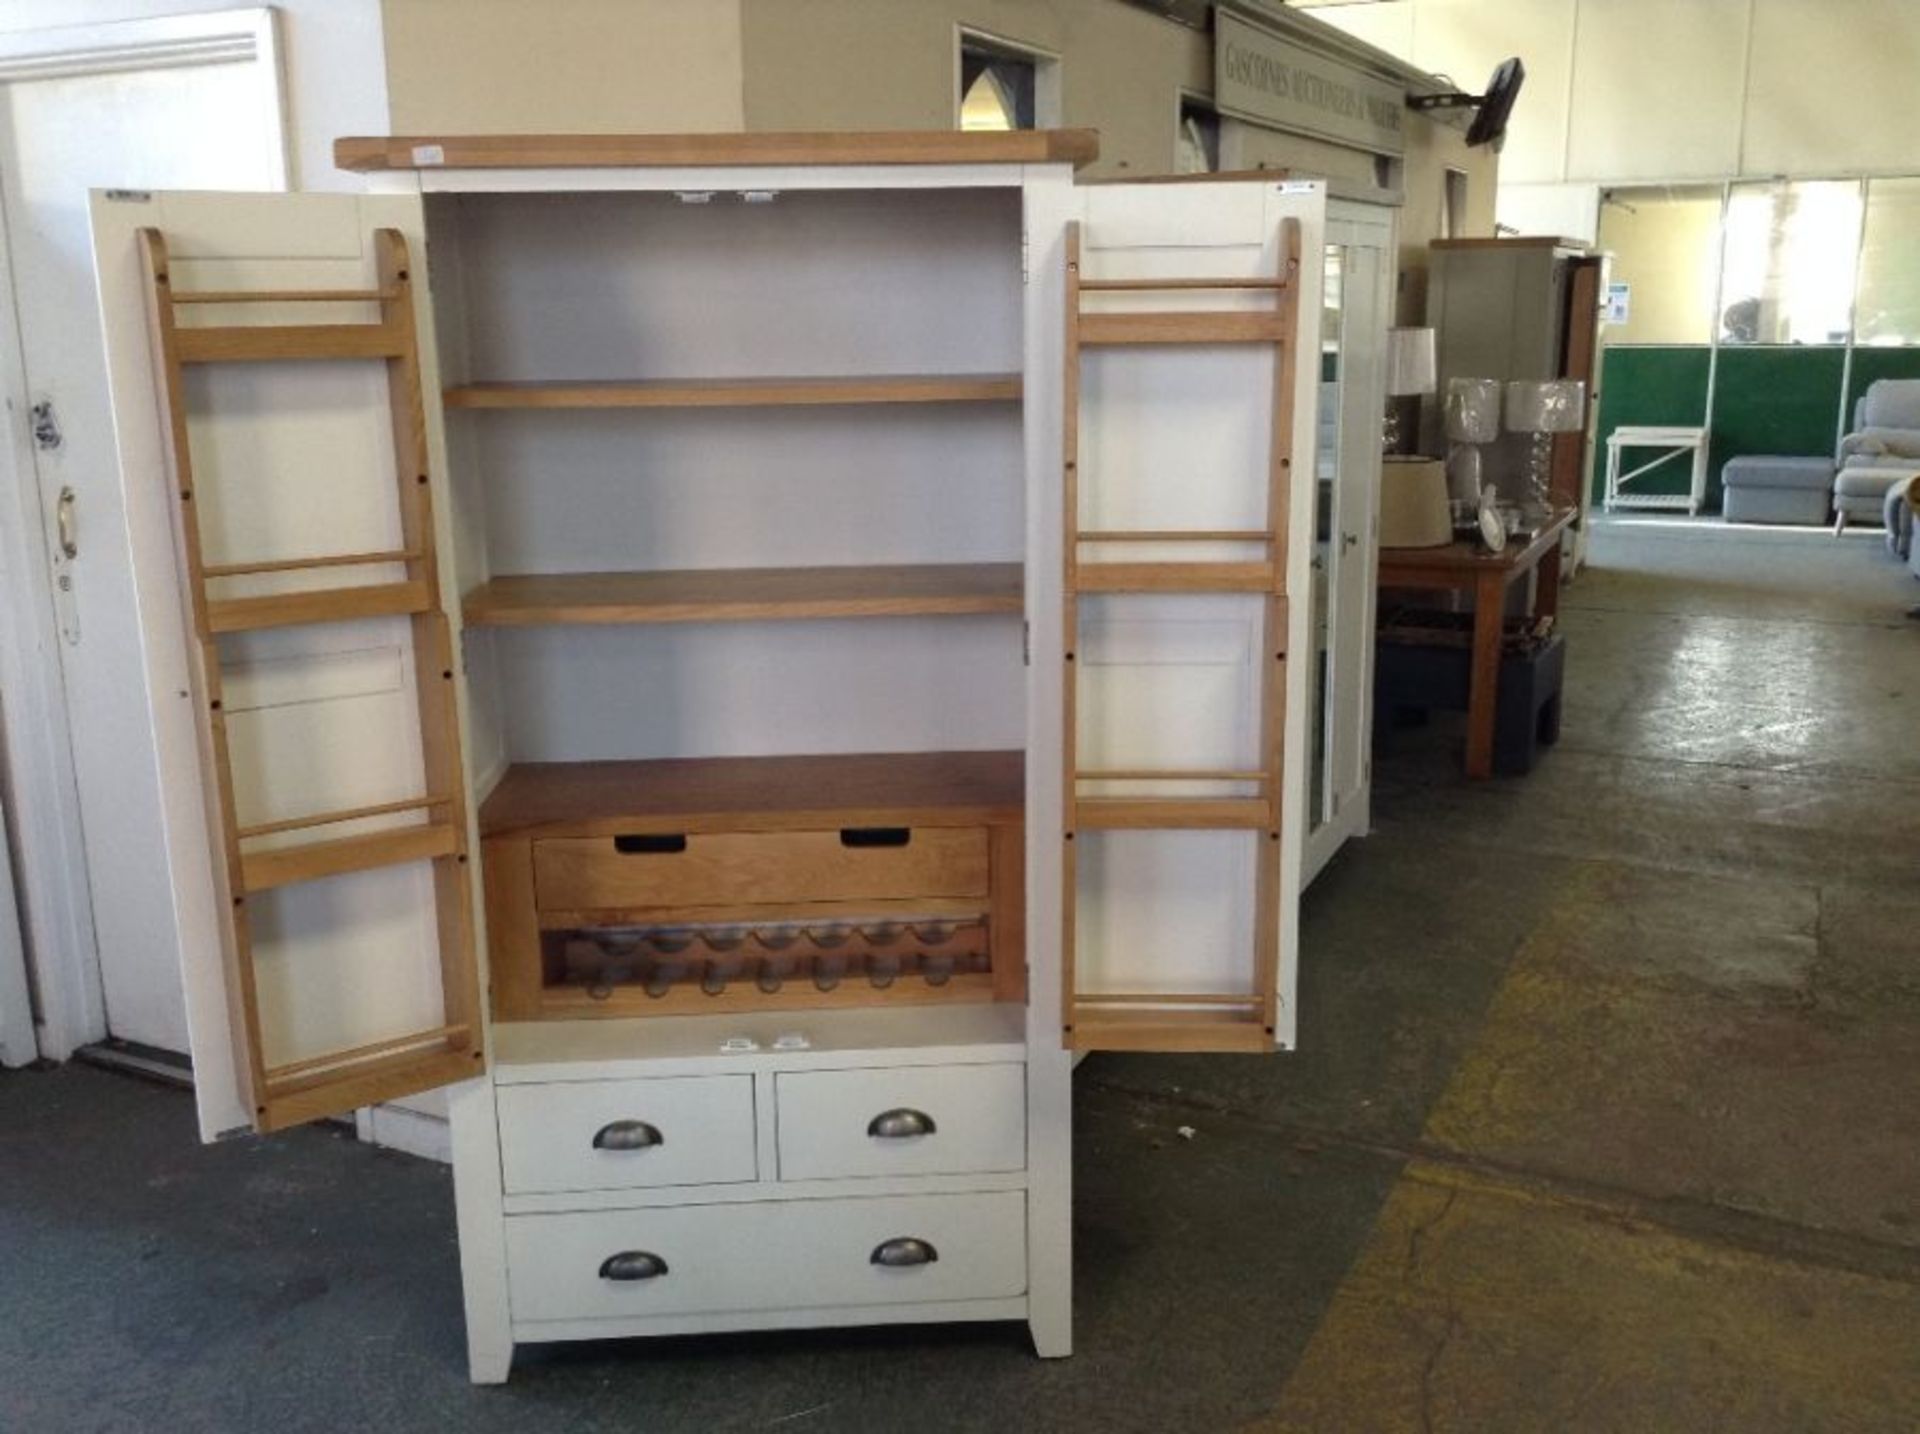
(1387, 24)
(1828, 88)
(1652, 91)
(1657, 89)
(1567, 211)
(562, 66)
(1465, 39)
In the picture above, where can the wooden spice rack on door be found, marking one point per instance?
(1195, 1021)
(290, 1092)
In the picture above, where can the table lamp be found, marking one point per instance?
(1413, 490)
(1411, 371)
(1414, 512)
(1544, 407)
(1472, 418)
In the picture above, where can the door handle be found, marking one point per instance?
(1350, 540)
(64, 523)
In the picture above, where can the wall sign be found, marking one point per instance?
(1265, 80)
(1619, 303)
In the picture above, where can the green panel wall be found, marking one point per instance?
(1768, 398)
(1774, 398)
(1872, 363)
(1645, 384)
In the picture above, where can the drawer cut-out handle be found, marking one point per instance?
(633, 1265)
(875, 836)
(650, 844)
(903, 1253)
(627, 1135)
(900, 1124)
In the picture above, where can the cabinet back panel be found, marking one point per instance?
(595, 491)
(760, 689)
(644, 286)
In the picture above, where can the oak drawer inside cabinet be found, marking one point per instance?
(606, 1135)
(774, 1255)
(721, 868)
(911, 1120)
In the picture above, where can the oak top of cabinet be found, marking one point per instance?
(364, 153)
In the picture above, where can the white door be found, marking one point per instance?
(1356, 293)
(1186, 699)
(177, 102)
(320, 902)
(17, 1045)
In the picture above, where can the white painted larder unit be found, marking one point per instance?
(733, 655)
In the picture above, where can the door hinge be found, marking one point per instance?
(1026, 644)
(1026, 248)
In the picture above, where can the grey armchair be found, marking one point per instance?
(1878, 458)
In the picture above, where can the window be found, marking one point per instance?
(1887, 303)
(1665, 244)
(1196, 146)
(1005, 87)
(1787, 264)
(1764, 308)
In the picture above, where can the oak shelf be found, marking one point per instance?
(795, 391)
(746, 594)
(316, 605)
(1095, 1026)
(1172, 813)
(314, 861)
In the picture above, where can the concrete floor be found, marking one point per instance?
(1606, 1116)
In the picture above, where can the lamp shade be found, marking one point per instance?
(1546, 405)
(1413, 503)
(1411, 367)
(1473, 409)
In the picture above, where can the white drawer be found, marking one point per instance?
(608, 1135)
(791, 1254)
(834, 1124)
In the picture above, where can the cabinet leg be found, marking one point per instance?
(1052, 1336)
(488, 1360)
(482, 1223)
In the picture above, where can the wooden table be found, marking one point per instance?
(1468, 567)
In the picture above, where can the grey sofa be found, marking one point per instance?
(1879, 456)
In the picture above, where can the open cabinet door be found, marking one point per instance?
(267, 358)
(1191, 367)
